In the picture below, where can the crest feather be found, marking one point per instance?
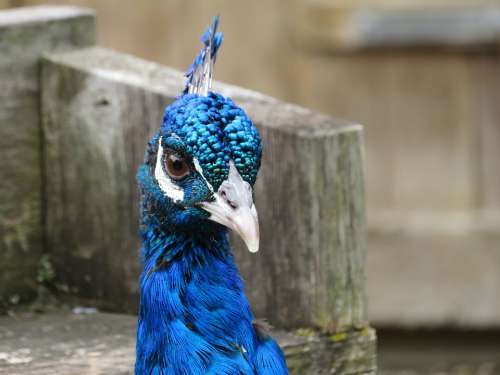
(199, 74)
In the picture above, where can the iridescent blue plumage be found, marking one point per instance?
(198, 173)
(215, 130)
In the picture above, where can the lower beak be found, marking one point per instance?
(233, 207)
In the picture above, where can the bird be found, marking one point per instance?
(196, 184)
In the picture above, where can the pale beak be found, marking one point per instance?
(233, 207)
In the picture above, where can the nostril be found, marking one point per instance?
(232, 204)
(229, 196)
(228, 200)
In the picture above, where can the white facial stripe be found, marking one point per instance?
(200, 171)
(171, 190)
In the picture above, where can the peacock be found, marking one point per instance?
(196, 182)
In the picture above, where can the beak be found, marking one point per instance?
(233, 207)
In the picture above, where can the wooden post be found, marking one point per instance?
(25, 34)
(100, 108)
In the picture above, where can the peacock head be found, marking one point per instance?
(202, 164)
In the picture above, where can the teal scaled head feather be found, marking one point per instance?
(196, 182)
(208, 134)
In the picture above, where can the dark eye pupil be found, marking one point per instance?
(178, 165)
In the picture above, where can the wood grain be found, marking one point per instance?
(25, 34)
(100, 108)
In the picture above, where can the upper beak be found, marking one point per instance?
(234, 208)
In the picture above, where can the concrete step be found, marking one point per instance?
(86, 342)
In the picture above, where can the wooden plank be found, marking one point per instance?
(25, 34)
(434, 279)
(101, 107)
(420, 125)
(327, 25)
(485, 84)
(65, 343)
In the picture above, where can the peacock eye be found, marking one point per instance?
(176, 167)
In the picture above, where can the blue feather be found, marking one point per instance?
(194, 317)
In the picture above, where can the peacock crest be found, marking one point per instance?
(200, 73)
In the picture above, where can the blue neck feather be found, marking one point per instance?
(194, 316)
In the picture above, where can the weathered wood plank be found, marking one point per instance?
(324, 25)
(99, 110)
(62, 343)
(453, 279)
(25, 34)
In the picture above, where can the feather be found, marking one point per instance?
(199, 74)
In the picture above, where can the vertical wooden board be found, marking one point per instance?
(310, 203)
(419, 124)
(346, 87)
(25, 34)
(484, 72)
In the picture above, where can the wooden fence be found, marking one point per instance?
(24, 36)
(70, 184)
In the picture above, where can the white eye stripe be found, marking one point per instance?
(167, 185)
(200, 171)
(170, 188)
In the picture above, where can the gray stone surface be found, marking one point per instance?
(67, 344)
(100, 108)
(97, 343)
(25, 34)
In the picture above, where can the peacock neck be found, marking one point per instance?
(186, 275)
(163, 245)
(191, 292)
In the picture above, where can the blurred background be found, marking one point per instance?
(423, 77)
